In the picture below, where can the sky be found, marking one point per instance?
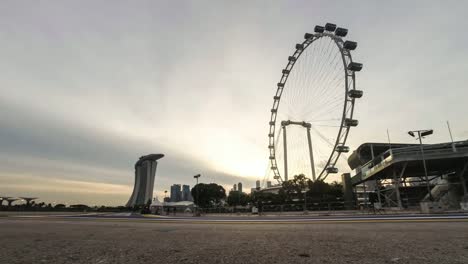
(87, 87)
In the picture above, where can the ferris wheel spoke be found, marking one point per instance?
(301, 75)
(333, 88)
(321, 80)
(330, 96)
(322, 64)
(331, 83)
(327, 110)
(325, 101)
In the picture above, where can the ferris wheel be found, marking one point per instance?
(313, 106)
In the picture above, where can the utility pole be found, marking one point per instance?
(451, 138)
(164, 201)
(197, 188)
(421, 134)
(389, 144)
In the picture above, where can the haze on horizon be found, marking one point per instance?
(88, 87)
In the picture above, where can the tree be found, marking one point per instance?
(60, 206)
(208, 195)
(293, 188)
(316, 190)
(336, 190)
(261, 198)
(320, 190)
(237, 198)
(79, 206)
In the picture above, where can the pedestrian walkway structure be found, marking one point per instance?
(396, 175)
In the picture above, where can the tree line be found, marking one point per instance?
(292, 191)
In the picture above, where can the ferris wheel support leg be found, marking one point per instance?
(285, 145)
(311, 154)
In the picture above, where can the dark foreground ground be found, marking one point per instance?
(104, 241)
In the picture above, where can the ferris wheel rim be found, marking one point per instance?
(349, 84)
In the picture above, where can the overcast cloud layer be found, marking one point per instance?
(87, 87)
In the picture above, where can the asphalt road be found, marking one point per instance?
(92, 240)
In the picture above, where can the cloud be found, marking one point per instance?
(50, 189)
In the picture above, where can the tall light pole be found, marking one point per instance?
(196, 177)
(421, 134)
(451, 138)
(164, 202)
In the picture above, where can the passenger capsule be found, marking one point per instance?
(341, 32)
(299, 46)
(330, 27)
(281, 85)
(308, 35)
(355, 93)
(350, 45)
(332, 170)
(286, 71)
(292, 58)
(355, 66)
(351, 122)
(319, 29)
(342, 149)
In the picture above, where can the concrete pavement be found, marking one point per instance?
(92, 240)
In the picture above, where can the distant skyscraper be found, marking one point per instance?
(234, 187)
(268, 184)
(176, 193)
(257, 184)
(145, 171)
(186, 195)
(239, 186)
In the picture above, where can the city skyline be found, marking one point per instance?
(86, 89)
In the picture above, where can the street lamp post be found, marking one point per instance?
(305, 189)
(164, 203)
(305, 202)
(198, 201)
(421, 134)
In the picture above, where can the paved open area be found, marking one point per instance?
(68, 240)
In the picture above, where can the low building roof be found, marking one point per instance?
(156, 202)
